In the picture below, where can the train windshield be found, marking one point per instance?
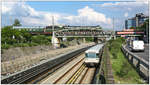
(91, 55)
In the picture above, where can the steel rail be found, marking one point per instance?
(23, 76)
(69, 70)
(76, 75)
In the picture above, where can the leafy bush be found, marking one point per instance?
(114, 46)
(89, 39)
(23, 45)
(5, 46)
(123, 71)
(22, 38)
(114, 55)
(70, 38)
(16, 45)
(41, 39)
(49, 38)
(125, 68)
(33, 44)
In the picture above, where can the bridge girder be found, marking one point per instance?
(82, 33)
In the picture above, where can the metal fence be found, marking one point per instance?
(138, 63)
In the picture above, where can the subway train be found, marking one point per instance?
(93, 55)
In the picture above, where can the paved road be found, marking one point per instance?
(144, 54)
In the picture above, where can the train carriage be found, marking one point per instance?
(93, 55)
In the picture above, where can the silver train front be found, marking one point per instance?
(93, 55)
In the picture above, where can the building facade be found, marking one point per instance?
(130, 23)
(136, 21)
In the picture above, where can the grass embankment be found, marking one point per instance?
(123, 72)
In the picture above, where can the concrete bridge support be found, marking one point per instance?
(64, 39)
(101, 40)
(84, 40)
(55, 42)
(95, 39)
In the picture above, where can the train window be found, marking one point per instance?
(91, 55)
(97, 55)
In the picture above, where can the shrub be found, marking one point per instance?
(89, 39)
(114, 46)
(33, 44)
(25, 45)
(22, 45)
(114, 55)
(16, 45)
(5, 46)
(125, 68)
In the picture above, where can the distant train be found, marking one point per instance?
(93, 55)
(38, 29)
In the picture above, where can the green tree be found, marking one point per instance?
(145, 25)
(21, 38)
(7, 35)
(49, 38)
(89, 39)
(40, 39)
(16, 23)
(132, 27)
(25, 36)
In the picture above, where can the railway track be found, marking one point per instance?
(45, 74)
(60, 73)
(42, 70)
(78, 74)
(88, 77)
(71, 72)
(74, 75)
(76, 69)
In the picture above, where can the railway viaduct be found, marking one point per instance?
(58, 34)
(98, 34)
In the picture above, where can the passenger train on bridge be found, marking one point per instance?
(93, 55)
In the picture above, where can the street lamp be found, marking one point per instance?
(147, 36)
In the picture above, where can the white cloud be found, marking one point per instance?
(28, 15)
(88, 16)
(142, 0)
(31, 17)
(6, 7)
(133, 4)
(126, 14)
(126, 9)
(138, 6)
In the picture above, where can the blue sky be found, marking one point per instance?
(69, 7)
(72, 13)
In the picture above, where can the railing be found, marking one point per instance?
(100, 75)
(23, 76)
(138, 63)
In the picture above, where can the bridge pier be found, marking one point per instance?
(84, 40)
(95, 39)
(55, 42)
(64, 39)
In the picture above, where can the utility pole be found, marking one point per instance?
(53, 35)
(55, 40)
(82, 22)
(10, 20)
(147, 38)
(113, 29)
(53, 24)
